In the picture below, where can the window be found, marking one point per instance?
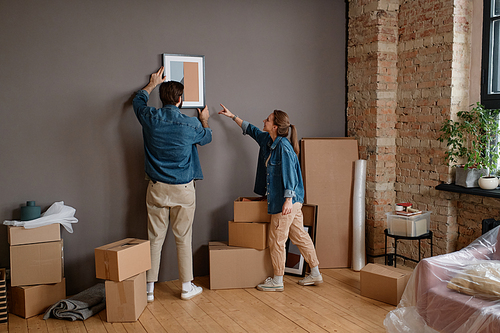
(490, 90)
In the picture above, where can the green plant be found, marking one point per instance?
(473, 138)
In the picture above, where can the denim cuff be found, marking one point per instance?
(289, 194)
(244, 126)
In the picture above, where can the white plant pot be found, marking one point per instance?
(488, 182)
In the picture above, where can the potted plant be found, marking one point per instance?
(472, 140)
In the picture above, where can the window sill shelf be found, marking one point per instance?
(471, 190)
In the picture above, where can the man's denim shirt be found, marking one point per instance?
(170, 140)
(282, 177)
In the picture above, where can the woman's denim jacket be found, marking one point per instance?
(281, 178)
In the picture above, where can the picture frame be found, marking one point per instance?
(295, 263)
(190, 71)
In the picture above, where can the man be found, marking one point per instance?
(172, 165)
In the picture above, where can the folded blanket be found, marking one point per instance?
(81, 306)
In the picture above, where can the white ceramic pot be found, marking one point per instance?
(488, 182)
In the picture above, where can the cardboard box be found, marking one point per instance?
(29, 301)
(123, 259)
(126, 300)
(39, 263)
(248, 234)
(251, 209)
(384, 283)
(4, 316)
(20, 236)
(328, 174)
(237, 267)
(410, 226)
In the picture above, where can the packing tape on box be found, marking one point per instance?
(121, 293)
(106, 265)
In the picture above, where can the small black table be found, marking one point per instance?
(427, 235)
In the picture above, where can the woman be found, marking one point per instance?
(280, 179)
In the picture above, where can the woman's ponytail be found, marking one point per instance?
(282, 120)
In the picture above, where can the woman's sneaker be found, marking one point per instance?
(270, 285)
(151, 297)
(310, 280)
(195, 291)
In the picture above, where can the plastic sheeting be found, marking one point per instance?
(455, 292)
(358, 216)
(57, 213)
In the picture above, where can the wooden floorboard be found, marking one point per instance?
(333, 306)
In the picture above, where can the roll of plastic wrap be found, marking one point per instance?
(358, 216)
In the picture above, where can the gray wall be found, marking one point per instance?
(68, 70)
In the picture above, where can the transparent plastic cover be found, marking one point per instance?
(454, 292)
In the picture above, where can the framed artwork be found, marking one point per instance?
(295, 264)
(190, 71)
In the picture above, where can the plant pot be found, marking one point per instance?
(468, 177)
(488, 182)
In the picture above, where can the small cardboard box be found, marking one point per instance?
(384, 283)
(20, 235)
(126, 300)
(248, 234)
(39, 263)
(123, 259)
(251, 209)
(4, 316)
(237, 267)
(29, 301)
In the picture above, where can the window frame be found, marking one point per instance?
(489, 100)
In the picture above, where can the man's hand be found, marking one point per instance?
(287, 207)
(203, 116)
(154, 80)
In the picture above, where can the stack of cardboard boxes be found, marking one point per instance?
(123, 265)
(36, 269)
(244, 261)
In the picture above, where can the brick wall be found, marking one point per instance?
(408, 71)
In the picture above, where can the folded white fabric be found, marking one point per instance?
(57, 213)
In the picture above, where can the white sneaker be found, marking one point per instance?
(195, 291)
(310, 280)
(151, 297)
(270, 285)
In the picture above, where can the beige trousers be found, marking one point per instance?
(174, 204)
(290, 225)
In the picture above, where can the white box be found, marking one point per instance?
(409, 226)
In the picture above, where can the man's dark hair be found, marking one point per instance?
(170, 92)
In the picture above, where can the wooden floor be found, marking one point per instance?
(334, 306)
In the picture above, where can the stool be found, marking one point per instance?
(427, 235)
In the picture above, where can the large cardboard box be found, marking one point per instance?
(248, 234)
(20, 235)
(251, 209)
(126, 300)
(123, 259)
(237, 267)
(39, 263)
(4, 316)
(29, 301)
(328, 173)
(384, 283)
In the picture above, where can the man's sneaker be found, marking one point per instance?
(310, 280)
(151, 297)
(195, 290)
(270, 285)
